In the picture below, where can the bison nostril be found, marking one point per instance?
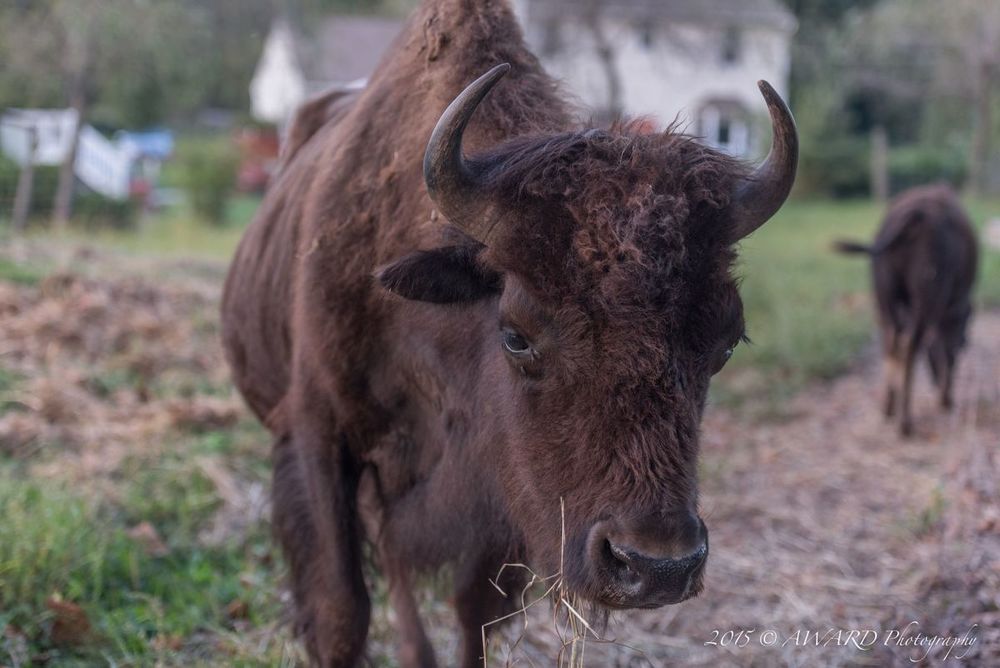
(618, 554)
(697, 558)
(622, 565)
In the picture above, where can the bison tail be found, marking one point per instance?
(852, 248)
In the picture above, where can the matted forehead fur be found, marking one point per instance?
(617, 221)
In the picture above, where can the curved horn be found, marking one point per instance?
(761, 194)
(450, 182)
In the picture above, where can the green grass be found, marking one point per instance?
(988, 285)
(19, 274)
(142, 608)
(171, 233)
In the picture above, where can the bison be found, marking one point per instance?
(923, 264)
(486, 335)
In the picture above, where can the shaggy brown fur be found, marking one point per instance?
(923, 269)
(327, 107)
(404, 422)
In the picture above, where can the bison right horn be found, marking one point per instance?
(760, 195)
(451, 181)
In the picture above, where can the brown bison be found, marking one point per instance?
(923, 268)
(451, 347)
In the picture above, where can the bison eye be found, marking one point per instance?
(515, 343)
(726, 354)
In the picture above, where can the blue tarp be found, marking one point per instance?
(156, 143)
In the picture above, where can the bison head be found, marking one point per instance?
(603, 259)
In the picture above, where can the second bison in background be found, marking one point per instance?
(923, 268)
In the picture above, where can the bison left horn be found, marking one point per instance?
(761, 194)
(451, 181)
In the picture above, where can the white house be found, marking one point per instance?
(279, 84)
(694, 61)
(294, 65)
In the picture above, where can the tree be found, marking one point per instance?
(596, 24)
(921, 53)
(79, 27)
(236, 32)
(972, 31)
(97, 50)
(920, 71)
(817, 42)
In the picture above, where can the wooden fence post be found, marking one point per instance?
(880, 163)
(25, 184)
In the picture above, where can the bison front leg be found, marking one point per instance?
(890, 351)
(908, 346)
(415, 650)
(478, 602)
(314, 519)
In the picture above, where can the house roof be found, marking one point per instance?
(341, 49)
(770, 13)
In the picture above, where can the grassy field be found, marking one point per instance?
(132, 483)
(174, 233)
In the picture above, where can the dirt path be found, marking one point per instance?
(829, 521)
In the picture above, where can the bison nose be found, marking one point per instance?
(647, 564)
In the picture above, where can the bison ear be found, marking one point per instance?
(448, 275)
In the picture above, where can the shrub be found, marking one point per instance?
(838, 167)
(95, 210)
(911, 166)
(209, 175)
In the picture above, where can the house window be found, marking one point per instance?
(724, 125)
(732, 45)
(551, 39)
(646, 36)
(723, 135)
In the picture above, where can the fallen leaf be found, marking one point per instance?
(238, 609)
(148, 537)
(70, 625)
(167, 642)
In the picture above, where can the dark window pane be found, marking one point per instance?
(731, 45)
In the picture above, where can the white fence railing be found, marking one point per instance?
(102, 165)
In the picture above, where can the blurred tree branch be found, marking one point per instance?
(920, 49)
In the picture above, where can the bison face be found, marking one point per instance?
(593, 379)
(603, 261)
(600, 403)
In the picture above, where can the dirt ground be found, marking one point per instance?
(822, 519)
